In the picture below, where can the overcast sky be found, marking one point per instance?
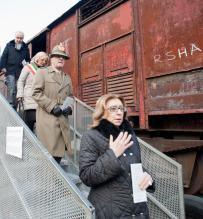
(30, 16)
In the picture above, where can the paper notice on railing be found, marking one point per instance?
(14, 141)
(136, 174)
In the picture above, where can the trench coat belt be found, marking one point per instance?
(59, 101)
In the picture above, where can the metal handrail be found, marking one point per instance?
(28, 183)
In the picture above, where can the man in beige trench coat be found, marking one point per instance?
(51, 87)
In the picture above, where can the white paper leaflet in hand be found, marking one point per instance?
(136, 174)
(69, 101)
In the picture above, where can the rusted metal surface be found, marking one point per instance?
(187, 160)
(172, 35)
(93, 7)
(183, 91)
(182, 123)
(107, 27)
(90, 75)
(171, 145)
(123, 85)
(107, 55)
(172, 43)
(196, 184)
(118, 56)
(91, 92)
(151, 43)
(91, 65)
(118, 70)
(66, 33)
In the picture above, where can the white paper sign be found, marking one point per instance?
(14, 141)
(136, 174)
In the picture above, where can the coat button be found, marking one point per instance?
(124, 154)
(131, 154)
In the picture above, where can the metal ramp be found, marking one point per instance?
(35, 186)
(167, 200)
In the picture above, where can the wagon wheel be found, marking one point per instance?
(193, 207)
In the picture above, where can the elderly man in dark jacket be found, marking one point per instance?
(15, 54)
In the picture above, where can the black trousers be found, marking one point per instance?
(30, 118)
(58, 159)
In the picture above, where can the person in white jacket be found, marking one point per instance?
(24, 87)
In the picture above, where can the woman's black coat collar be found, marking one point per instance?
(107, 128)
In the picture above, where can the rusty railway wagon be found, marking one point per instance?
(151, 52)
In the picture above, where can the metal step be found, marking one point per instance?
(67, 167)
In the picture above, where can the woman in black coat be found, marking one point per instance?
(107, 150)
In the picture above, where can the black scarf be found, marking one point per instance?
(107, 128)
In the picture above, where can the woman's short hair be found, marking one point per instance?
(101, 106)
(39, 55)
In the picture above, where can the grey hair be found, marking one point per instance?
(19, 33)
(38, 56)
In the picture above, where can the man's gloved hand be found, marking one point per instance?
(57, 111)
(67, 111)
(2, 71)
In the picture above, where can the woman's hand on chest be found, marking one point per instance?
(121, 143)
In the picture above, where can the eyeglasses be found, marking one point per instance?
(114, 109)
